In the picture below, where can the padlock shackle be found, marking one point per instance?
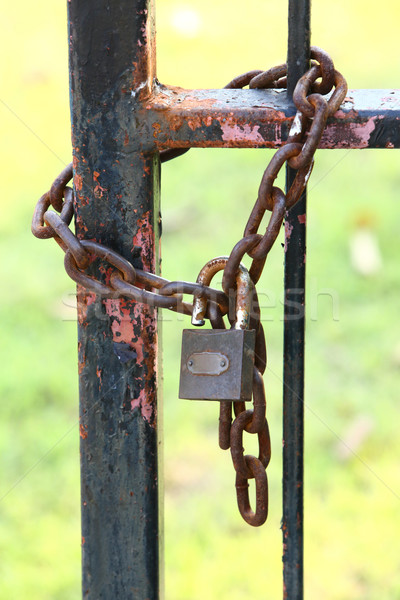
(243, 294)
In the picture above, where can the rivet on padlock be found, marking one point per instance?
(217, 364)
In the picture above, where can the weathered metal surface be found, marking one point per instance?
(293, 369)
(115, 98)
(253, 118)
(112, 68)
(252, 421)
(241, 288)
(208, 363)
(232, 383)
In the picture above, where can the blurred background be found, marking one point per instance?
(352, 481)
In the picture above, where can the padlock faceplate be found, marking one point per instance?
(230, 381)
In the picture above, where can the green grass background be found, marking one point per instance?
(352, 505)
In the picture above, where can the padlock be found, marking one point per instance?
(217, 364)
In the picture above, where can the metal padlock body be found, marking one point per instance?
(217, 364)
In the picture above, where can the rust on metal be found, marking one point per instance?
(227, 378)
(253, 118)
(259, 516)
(118, 281)
(243, 298)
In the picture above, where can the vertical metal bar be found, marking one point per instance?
(112, 68)
(293, 389)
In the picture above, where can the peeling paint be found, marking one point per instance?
(121, 324)
(144, 239)
(261, 118)
(233, 132)
(146, 408)
(84, 299)
(98, 189)
(77, 181)
(124, 316)
(355, 135)
(288, 233)
(296, 125)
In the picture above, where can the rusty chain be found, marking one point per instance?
(298, 151)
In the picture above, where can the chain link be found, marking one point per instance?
(123, 279)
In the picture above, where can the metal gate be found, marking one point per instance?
(121, 119)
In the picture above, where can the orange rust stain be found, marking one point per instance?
(175, 122)
(82, 227)
(156, 127)
(81, 200)
(206, 103)
(98, 189)
(81, 366)
(84, 299)
(83, 431)
(78, 181)
(83, 540)
(194, 123)
(126, 140)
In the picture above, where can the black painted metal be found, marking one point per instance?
(117, 131)
(293, 375)
(116, 191)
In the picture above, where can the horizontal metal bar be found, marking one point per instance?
(224, 118)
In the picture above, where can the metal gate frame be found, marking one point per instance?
(121, 118)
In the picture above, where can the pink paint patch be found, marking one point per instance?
(122, 331)
(145, 406)
(302, 219)
(363, 132)
(234, 132)
(135, 403)
(90, 298)
(125, 317)
(78, 181)
(356, 134)
(288, 233)
(145, 240)
(121, 324)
